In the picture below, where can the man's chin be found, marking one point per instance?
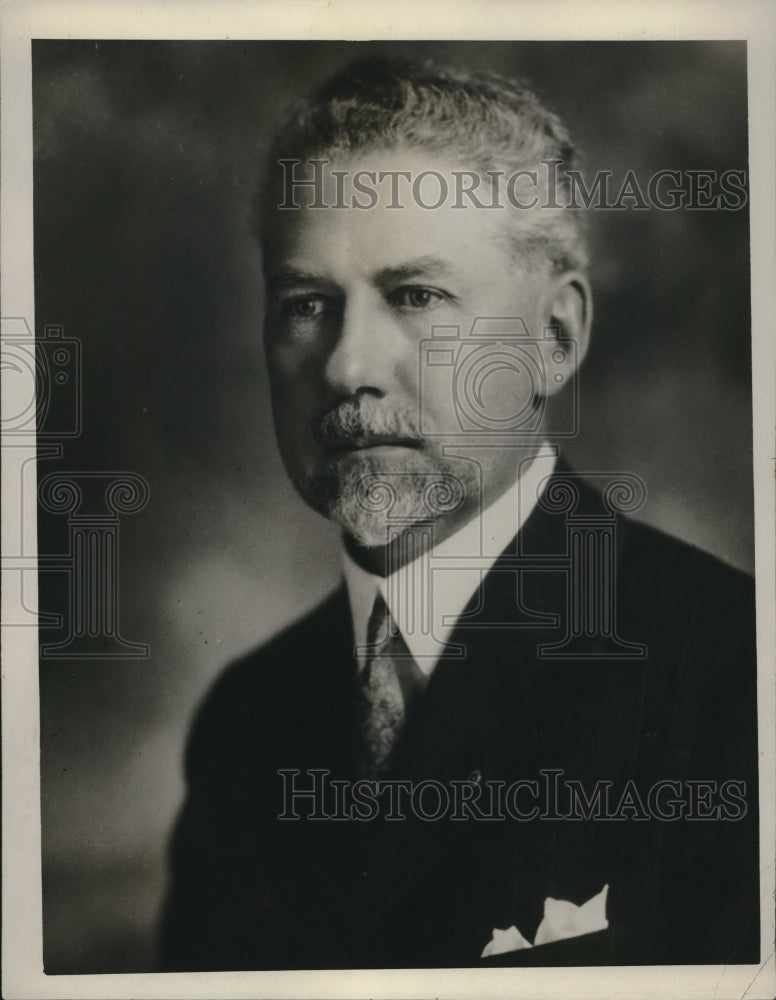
(364, 530)
(376, 493)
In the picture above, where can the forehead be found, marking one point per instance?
(372, 210)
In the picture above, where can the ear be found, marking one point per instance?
(568, 317)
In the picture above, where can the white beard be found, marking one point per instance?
(372, 503)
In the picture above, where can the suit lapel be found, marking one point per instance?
(475, 722)
(501, 712)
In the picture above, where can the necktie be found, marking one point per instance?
(388, 684)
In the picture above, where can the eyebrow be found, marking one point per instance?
(293, 276)
(417, 267)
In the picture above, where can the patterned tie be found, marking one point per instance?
(388, 683)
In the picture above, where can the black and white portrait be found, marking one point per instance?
(395, 488)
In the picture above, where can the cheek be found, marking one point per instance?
(435, 400)
(294, 371)
(289, 404)
(507, 385)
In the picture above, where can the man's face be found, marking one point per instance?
(351, 296)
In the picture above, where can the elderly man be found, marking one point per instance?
(523, 730)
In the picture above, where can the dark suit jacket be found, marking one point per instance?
(251, 892)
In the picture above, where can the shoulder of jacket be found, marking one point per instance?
(647, 546)
(236, 699)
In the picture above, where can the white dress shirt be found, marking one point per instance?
(425, 600)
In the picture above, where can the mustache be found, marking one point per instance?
(365, 420)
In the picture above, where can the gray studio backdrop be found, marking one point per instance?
(147, 155)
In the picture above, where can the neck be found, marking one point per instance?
(382, 560)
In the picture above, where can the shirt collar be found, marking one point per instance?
(425, 605)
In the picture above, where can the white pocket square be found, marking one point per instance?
(561, 920)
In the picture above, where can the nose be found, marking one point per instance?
(363, 356)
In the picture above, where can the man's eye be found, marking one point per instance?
(304, 307)
(417, 297)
